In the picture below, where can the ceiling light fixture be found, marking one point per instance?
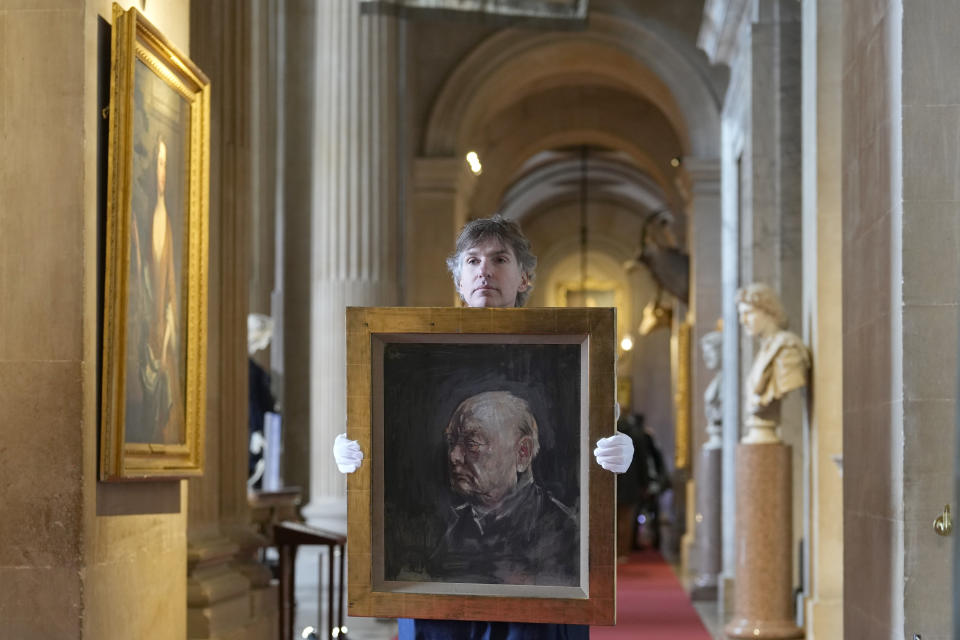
(474, 161)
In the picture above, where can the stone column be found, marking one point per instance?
(706, 294)
(706, 291)
(772, 236)
(774, 231)
(228, 591)
(267, 81)
(708, 552)
(296, 73)
(762, 604)
(823, 321)
(355, 213)
(771, 228)
(730, 239)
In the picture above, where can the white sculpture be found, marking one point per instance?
(711, 345)
(780, 365)
(259, 332)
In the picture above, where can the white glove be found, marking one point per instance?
(614, 453)
(347, 453)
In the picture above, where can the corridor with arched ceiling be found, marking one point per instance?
(581, 136)
(764, 192)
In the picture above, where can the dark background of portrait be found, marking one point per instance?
(423, 385)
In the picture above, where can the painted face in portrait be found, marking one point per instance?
(485, 450)
(490, 275)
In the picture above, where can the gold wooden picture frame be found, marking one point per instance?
(680, 355)
(155, 283)
(428, 388)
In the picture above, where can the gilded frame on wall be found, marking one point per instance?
(155, 285)
(568, 290)
(680, 354)
(418, 381)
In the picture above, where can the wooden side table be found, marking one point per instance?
(267, 508)
(288, 536)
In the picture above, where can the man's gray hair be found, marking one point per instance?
(509, 234)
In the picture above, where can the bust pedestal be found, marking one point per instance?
(760, 431)
(708, 520)
(763, 605)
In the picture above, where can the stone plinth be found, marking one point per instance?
(763, 606)
(709, 557)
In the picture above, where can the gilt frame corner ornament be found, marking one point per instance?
(153, 385)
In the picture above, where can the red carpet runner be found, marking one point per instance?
(651, 604)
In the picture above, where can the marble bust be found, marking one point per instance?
(711, 345)
(779, 366)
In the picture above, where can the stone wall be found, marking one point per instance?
(930, 245)
(872, 339)
(900, 241)
(79, 559)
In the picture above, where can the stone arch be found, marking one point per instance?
(555, 180)
(632, 63)
(598, 117)
(612, 52)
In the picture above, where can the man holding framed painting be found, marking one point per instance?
(490, 442)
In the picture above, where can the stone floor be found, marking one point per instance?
(310, 606)
(709, 611)
(312, 603)
(710, 616)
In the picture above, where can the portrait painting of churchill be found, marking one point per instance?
(482, 480)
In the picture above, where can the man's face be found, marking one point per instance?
(490, 275)
(482, 455)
